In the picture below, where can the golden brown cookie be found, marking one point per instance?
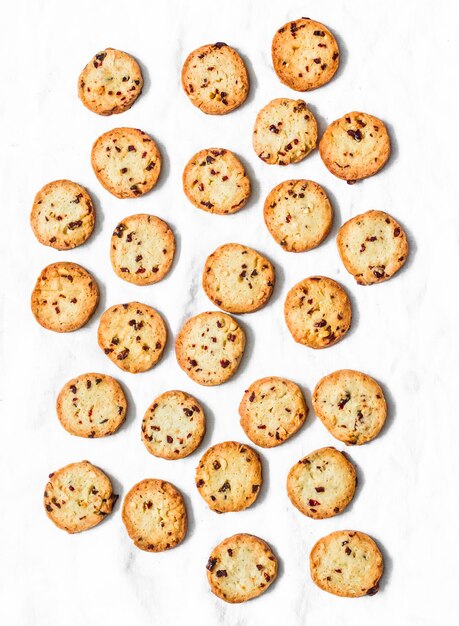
(317, 312)
(110, 83)
(133, 336)
(173, 426)
(347, 563)
(238, 279)
(209, 347)
(65, 297)
(154, 515)
(126, 162)
(240, 568)
(229, 477)
(351, 406)
(215, 78)
(78, 497)
(355, 146)
(142, 249)
(272, 410)
(215, 181)
(305, 54)
(285, 132)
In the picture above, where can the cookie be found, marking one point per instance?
(64, 297)
(173, 426)
(110, 83)
(347, 563)
(91, 405)
(240, 568)
(62, 215)
(372, 246)
(285, 132)
(154, 515)
(142, 249)
(78, 497)
(215, 181)
(126, 162)
(351, 405)
(272, 410)
(238, 279)
(298, 215)
(215, 79)
(318, 312)
(209, 347)
(305, 54)
(133, 336)
(229, 477)
(355, 146)
(322, 483)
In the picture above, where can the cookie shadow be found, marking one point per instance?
(146, 78)
(355, 313)
(210, 425)
(321, 125)
(388, 564)
(265, 486)
(337, 218)
(253, 80)
(394, 149)
(343, 56)
(131, 407)
(101, 305)
(191, 521)
(412, 249)
(360, 482)
(117, 488)
(391, 410)
(165, 165)
(307, 394)
(249, 349)
(99, 214)
(255, 188)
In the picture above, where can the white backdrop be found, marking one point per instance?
(399, 62)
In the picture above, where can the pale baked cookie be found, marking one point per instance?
(142, 249)
(305, 54)
(64, 297)
(154, 515)
(215, 78)
(91, 405)
(215, 181)
(209, 347)
(298, 215)
(272, 410)
(110, 83)
(173, 426)
(351, 406)
(133, 336)
(285, 132)
(78, 497)
(62, 215)
(372, 246)
(240, 568)
(347, 563)
(322, 483)
(318, 312)
(238, 279)
(229, 476)
(126, 162)
(355, 146)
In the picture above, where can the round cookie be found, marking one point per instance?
(238, 279)
(229, 477)
(78, 497)
(91, 405)
(215, 181)
(62, 215)
(64, 297)
(298, 215)
(285, 132)
(133, 336)
(347, 563)
(126, 162)
(322, 484)
(317, 312)
(240, 568)
(209, 347)
(372, 246)
(272, 410)
(351, 405)
(173, 426)
(110, 83)
(305, 54)
(154, 515)
(215, 79)
(355, 146)
(142, 249)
